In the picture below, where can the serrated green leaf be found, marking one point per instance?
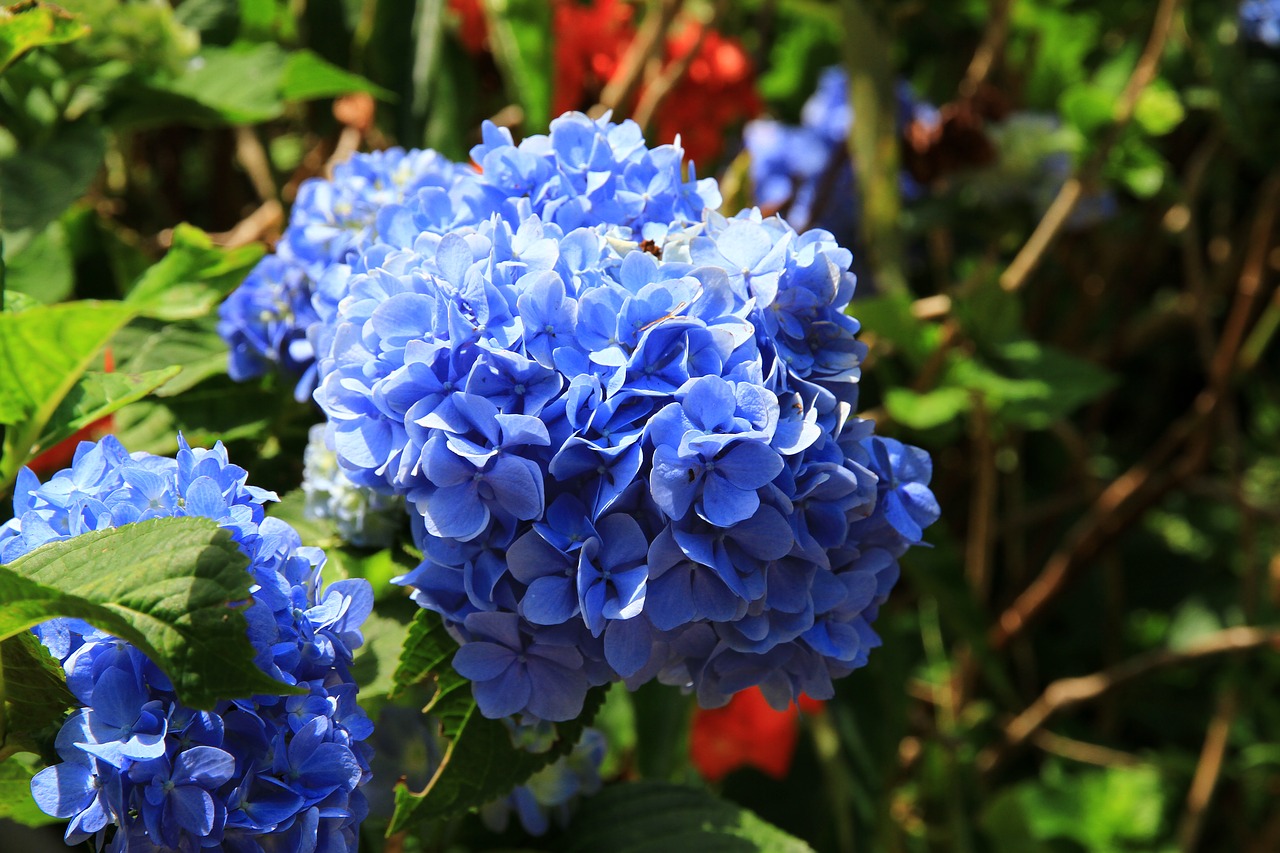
(171, 586)
(43, 353)
(29, 25)
(241, 83)
(98, 395)
(307, 76)
(36, 697)
(192, 278)
(657, 817)
(15, 792)
(480, 763)
(194, 346)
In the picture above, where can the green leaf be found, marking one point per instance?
(1062, 381)
(1159, 109)
(43, 353)
(192, 278)
(29, 25)
(520, 34)
(241, 83)
(36, 697)
(657, 817)
(15, 792)
(480, 763)
(171, 586)
(307, 76)
(40, 264)
(97, 395)
(928, 410)
(195, 346)
(889, 322)
(37, 185)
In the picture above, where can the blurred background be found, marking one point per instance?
(1063, 215)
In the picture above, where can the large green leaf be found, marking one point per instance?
(192, 278)
(480, 763)
(307, 76)
(37, 185)
(97, 395)
(40, 263)
(171, 586)
(43, 353)
(33, 24)
(657, 817)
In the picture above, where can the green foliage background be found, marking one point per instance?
(1086, 658)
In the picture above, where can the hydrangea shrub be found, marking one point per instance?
(623, 422)
(260, 773)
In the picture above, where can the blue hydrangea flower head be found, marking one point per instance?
(1260, 21)
(257, 774)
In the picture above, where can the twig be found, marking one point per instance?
(660, 89)
(1208, 770)
(1068, 692)
(648, 44)
(1029, 257)
(254, 227)
(984, 58)
(1129, 495)
(1082, 751)
(257, 165)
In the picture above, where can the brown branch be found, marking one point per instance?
(1051, 224)
(257, 165)
(984, 58)
(1082, 751)
(657, 92)
(253, 228)
(1128, 496)
(1067, 693)
(648, 44)
(1208, 770)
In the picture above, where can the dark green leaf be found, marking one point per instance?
(480, 763)
(37, 185)
(33, 24)
(40, 264)
(241, 83)
(170, 586)
(195, 346)
(657, 817)
(35, 695)
(307, 76)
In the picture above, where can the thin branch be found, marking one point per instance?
(1067, 693)
(648, 44)
(1208, 770)
(257, 165)
(1082, 751)
(991, 46)
(1026, 261)
(253, 228)
(660, 89)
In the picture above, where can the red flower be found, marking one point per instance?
(747, 733)
(60, 455)
(473, 32)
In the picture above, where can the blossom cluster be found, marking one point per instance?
(363, 517)
(623, 423)
(1260, 21)
(261, 773)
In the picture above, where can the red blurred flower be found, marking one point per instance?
(747, 733)
(60, 455)
(473, 32)
(590, 41)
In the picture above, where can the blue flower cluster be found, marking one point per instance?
(583, 173)
(1260, 21)
(265, 321)
(625, 429)
(265, 773)
(364, 517)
